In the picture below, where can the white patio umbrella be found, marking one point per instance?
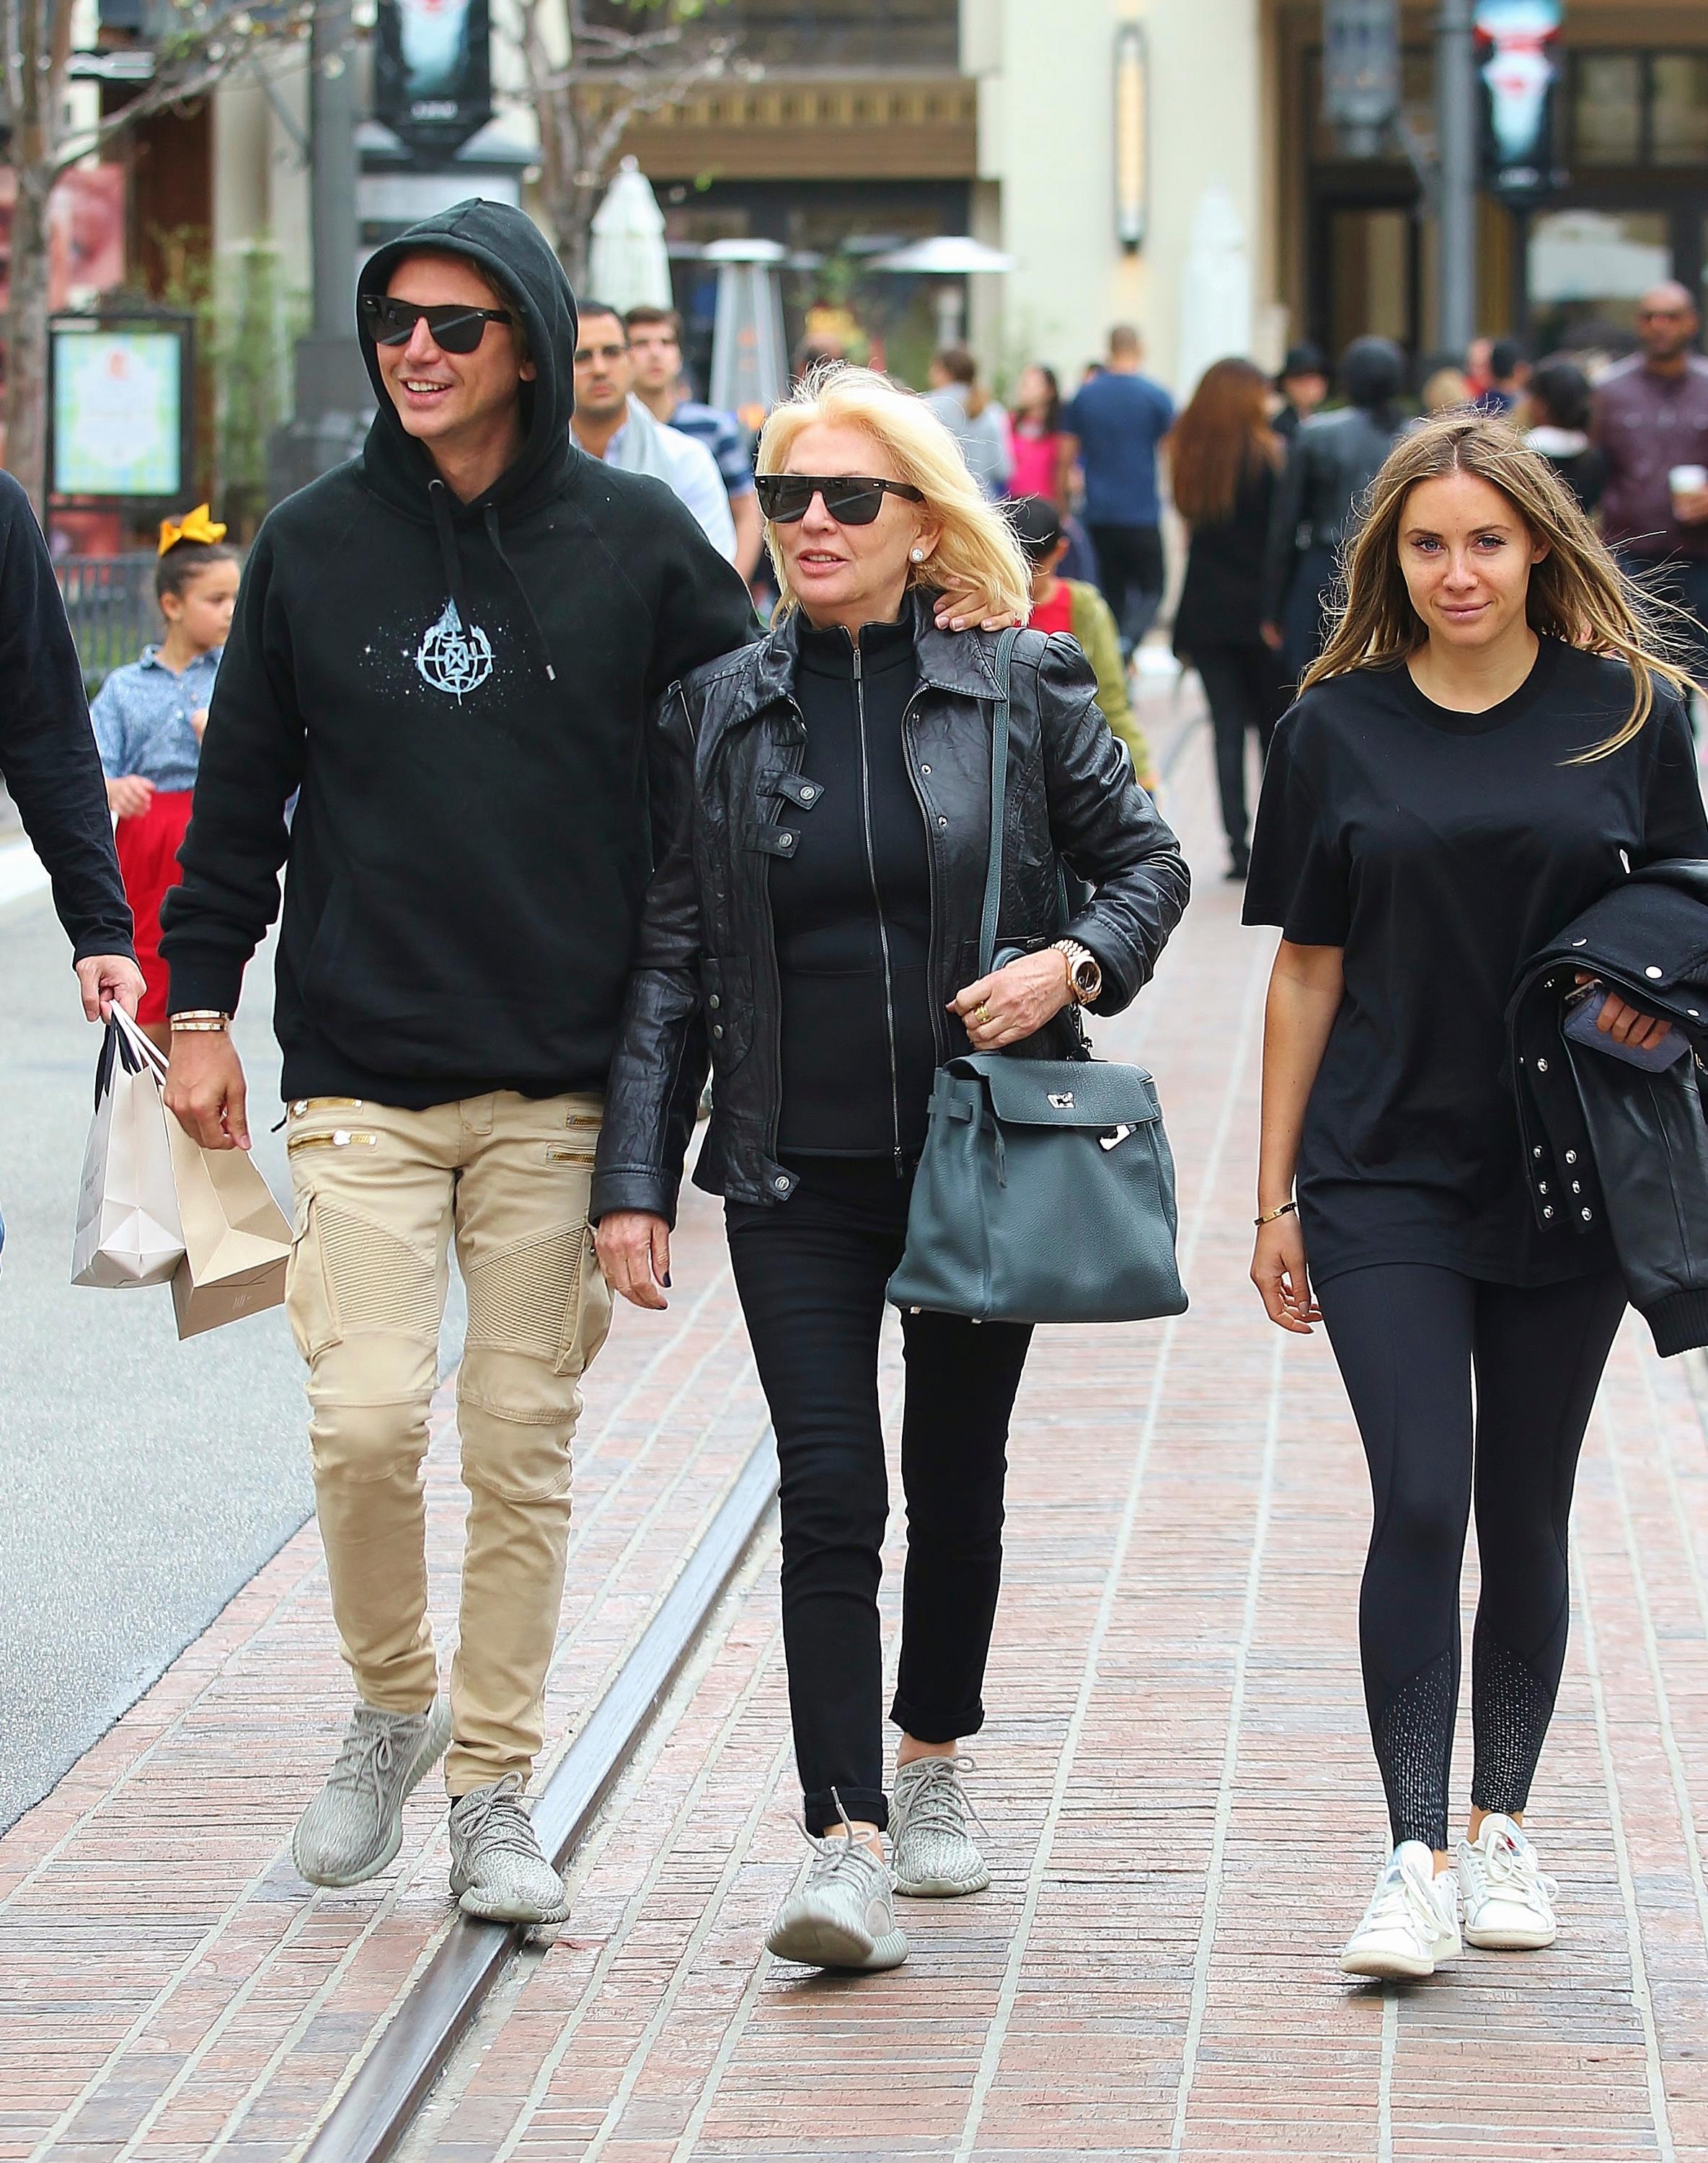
(629, 266)
(950, 257)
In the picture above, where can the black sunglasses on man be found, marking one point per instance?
(453, 326)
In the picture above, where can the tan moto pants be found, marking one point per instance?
(380, 1193)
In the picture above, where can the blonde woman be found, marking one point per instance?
(818, 914)
(1491, 739)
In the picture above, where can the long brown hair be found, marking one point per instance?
(1222, 435)
(1577, 592)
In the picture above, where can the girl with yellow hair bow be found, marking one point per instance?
(149, 717)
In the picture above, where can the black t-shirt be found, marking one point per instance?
(1440, 851)
(851, 910)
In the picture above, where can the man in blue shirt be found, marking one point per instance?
(1115, 423)
(655, 347)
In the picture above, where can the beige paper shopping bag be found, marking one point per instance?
(236, 1237)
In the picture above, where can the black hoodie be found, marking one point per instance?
(458, 689)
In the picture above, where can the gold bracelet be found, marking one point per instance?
(1286, 1209)
(204, 1021)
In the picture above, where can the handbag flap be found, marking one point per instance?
(1062, 1092)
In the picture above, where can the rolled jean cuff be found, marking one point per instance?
(869, 1804)
(927, 1725)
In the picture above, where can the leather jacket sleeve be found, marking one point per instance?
(659, 1069)
(1106, 831)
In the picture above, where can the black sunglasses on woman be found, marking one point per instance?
(850, 498)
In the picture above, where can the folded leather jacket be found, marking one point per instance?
(1609, 1143)
(729, 755)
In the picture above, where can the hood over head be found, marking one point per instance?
(508, 248)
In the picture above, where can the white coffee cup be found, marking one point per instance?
(1686, 480)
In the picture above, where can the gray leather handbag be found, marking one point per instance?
(1046, 1190)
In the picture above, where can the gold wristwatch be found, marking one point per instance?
(1085, 977)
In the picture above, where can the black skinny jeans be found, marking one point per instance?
(1132, 574)
(1409, 1338)
(1245, 691)
(811, 1272)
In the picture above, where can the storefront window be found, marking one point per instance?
(1607, 109)
(1680, 110)
(1586, 271)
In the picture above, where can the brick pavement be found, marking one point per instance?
(1174, 1770)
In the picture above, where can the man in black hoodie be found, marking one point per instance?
(449, 646)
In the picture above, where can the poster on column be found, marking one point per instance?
(1518, 60)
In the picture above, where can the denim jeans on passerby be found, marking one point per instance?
(380, 1194)
(811, 1273)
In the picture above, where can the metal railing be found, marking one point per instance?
(110, 600)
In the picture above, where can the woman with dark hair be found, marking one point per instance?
(1332, 460)
(1224, 458)
(1558, 428)
(1492, 740)
(1034, 437)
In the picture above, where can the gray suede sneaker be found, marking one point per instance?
(497, 1870)
(355, 1826)
(931, 1852)
(844, 1915)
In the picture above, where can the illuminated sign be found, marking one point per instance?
(119, 409)
(1517, 56)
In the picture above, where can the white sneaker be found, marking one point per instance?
(932, 1854)
(1411, 1923)
(844, 1915)
(1508, 1903)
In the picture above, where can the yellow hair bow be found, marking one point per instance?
(196, 525)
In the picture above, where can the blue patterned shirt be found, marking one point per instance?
(724, 436)
(141, 719)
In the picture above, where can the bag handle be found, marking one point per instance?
(998, 800)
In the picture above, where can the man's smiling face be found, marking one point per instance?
(442, 395)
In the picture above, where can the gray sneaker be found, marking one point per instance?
(933, 1855)
(497, 1870)
(355, 1826)
(844, 1915)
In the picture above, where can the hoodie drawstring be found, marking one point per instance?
(490, 522)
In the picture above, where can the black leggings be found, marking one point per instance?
(1408, 1339)
(1244, 689)
(811, 1273)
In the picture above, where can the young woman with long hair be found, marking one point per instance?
(817, 905)
(1493, 736)
(1035, 463)
(1225, 457)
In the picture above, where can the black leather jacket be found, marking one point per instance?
(732, 773)
(1607, 1144)
(1331, 461)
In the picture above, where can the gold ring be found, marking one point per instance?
(980, 1013)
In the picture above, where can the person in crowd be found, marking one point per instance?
(609, 422)
(1224, 458)
(1651, 427)
(655, 349)
(1509, 372)
(1556, 416)
(817, 903)
(1064, 605)
(148, 718)
(1115, 421)
(1446, 389)
(1036, 462)
(1492, 736)
(1331, 462)
(971, 416)
(50, 768)
(1478, 365)
(450, 645)
(1301, 386)
(816, 350)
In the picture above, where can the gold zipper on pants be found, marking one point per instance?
(339, 1138)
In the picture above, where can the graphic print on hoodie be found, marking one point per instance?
(460, 691)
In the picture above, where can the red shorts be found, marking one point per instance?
(148, 856)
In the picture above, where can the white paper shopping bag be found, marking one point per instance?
(129, 1228)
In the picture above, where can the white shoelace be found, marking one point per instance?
(1401, 1899)
(938, 1802)
(841, 1855)
(1510, 1866)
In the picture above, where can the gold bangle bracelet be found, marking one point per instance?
(1269, 1217)
(183, 1025)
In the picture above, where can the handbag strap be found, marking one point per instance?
(998, 799)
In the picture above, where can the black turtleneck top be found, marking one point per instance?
(852, 909)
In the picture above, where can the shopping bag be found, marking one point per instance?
(127, 1229)
(237, 1239)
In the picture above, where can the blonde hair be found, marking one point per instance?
(977, 548)
(1577, 593)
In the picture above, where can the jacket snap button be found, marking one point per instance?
(714, 1002)
(808, 794)
(717, 1028)
(1651, 970)
(1549, 1212)
(781, 1185)
(1542, 1186)
(1541, 1066)
(1571, 1155)
(1537, 1152)
(1577, 1186)
(925, 769)
(942, 821)
(1587, 1217)
(785, 840)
